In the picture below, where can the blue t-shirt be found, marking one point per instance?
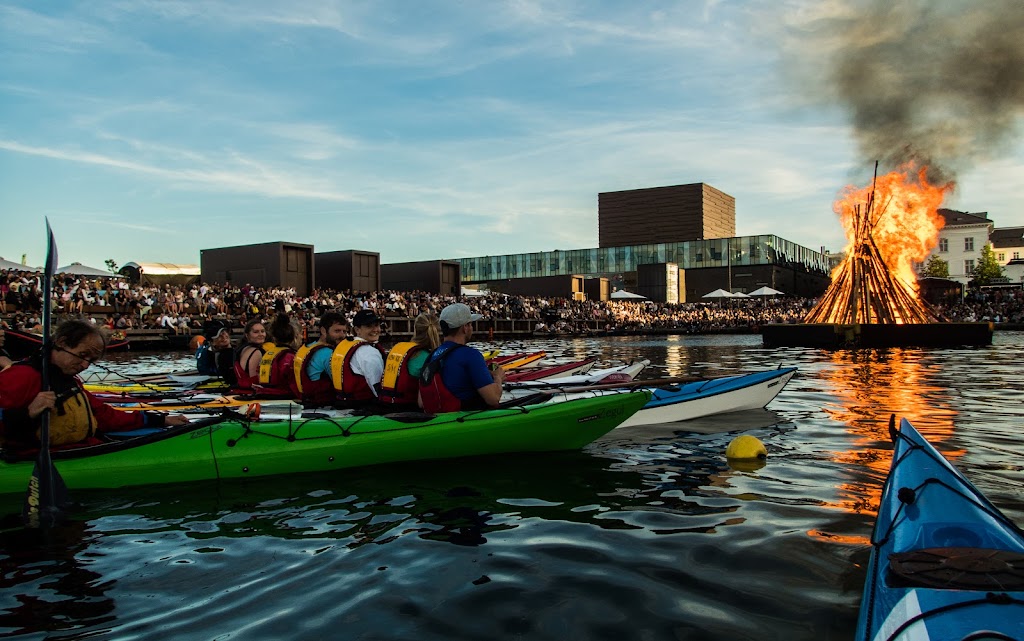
(319, 364)
(464, 371)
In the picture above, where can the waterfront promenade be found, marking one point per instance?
(171, 314)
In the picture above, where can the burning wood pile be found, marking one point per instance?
(889, 226)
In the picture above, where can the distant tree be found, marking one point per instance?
(987, 268)
(935, 268)
(111, 265)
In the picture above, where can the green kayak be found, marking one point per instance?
(233, 447)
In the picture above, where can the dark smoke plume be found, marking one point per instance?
(935, 82)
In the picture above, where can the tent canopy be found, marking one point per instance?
(160, 274)
(624, 295)
(78, 269)
(164, 269)
(9, 264)
(765, 291)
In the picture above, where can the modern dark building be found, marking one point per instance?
(348, 269)
(659, 282)
(434, 276)
(664, 215)
(597, 288)
(277, 264)
(568, 286)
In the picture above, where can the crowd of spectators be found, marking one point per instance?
(121, 306)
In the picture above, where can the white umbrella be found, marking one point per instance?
(740, 295)
(624, 295)
(718, 293)
(765, 291)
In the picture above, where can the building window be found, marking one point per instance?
(943, 244)
(968, 266)
(1000, 257)
(1016, 255)
(969, 244)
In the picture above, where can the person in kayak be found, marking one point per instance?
(357, 366)
(313, 362)
(456, 376)
(276, 376)
(249, 353)
(215, 356)
(400, 386)
(76, 417)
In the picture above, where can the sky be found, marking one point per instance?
(147, 130)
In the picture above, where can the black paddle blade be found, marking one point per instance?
(46, 502)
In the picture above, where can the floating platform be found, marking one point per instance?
(840, 336)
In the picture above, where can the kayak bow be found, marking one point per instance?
(945, 563)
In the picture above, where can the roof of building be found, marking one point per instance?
(955, 218)
(1007, 237)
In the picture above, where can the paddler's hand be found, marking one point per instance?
(42, 402)
(498, 374)
(175, 419)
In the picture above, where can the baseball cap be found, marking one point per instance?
(365, 317)
(457, 315)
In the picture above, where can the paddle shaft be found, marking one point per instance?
(46, 490)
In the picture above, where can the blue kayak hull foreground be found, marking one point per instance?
(945, 563)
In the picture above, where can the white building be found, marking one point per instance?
(1008, 245)
(961, 240)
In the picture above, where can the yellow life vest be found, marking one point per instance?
(300, 362)
(338, 362)
(270, 351)
(393, 364)
(72, 421)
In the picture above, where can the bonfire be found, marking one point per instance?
(889, 226)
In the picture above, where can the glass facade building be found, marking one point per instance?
(691, 254)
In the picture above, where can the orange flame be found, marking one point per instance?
(904, 223)
(890, 225)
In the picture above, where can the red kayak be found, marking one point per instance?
(550, 371)
(513, 361)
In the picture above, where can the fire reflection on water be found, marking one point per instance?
(871, 386)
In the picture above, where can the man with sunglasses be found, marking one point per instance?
(76, 417)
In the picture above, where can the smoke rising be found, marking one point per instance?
(939, 83)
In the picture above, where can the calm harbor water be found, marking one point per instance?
(646, 534)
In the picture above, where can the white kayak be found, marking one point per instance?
(683, 402)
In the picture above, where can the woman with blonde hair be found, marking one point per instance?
(405, 362)
(426, 333)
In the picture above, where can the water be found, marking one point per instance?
(646, 534)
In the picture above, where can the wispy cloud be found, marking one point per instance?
(251, 176)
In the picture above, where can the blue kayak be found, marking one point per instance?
(945, 563)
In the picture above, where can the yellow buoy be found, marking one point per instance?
(746, 447)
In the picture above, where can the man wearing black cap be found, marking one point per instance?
(368, 363)
(463, 371)
(215, 356)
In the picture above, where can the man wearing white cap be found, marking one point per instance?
(463, 371)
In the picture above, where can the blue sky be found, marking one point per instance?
(147, 130)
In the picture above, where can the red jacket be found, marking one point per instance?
(78, 413)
